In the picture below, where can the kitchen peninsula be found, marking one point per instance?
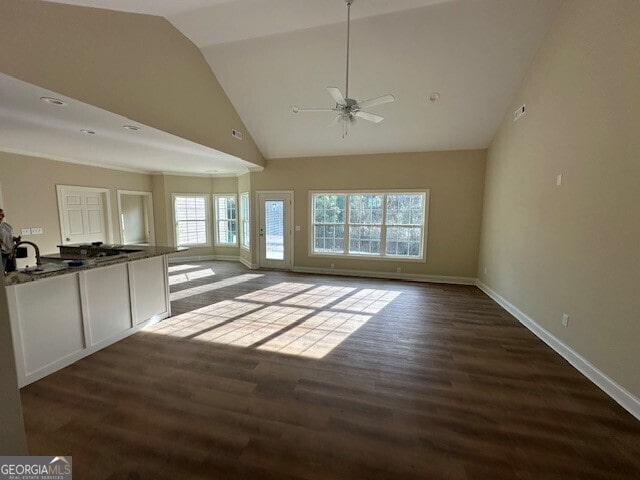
(80, 301)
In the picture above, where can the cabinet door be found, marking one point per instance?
(108, 308)
(148, 283)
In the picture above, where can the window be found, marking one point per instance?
(226, 220)
(190, 213)
(245, 225)
(373, 225)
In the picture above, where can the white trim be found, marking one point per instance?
(411, 277)
(216, 220)
(426, 195)
(248, 264)
(151, 234)
(207, 218)
(105, 192)
(204, 258)
(289, 216)
(241, 220)
(625, 398)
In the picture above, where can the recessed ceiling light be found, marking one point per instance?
(434, 97)
(53, 101)
(88, 132)
(296, 110)
(131, 127)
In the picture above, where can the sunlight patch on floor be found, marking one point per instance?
(318, 335)
(289, 318)
(367, 301)
(189, 292)
(180, 268)
(276, 293)
(176, 279)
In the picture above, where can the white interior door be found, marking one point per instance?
(83, 215)
(275, 232)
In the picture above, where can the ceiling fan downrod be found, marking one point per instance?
(349, 2)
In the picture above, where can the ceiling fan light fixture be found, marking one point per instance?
(348, 109)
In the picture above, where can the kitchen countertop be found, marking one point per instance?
(54, 262)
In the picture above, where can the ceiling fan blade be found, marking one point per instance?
(298, 109)
(337, 95)
(335, 121)
(372, 117)
(372, 102)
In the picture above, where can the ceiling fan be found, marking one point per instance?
(348, 109)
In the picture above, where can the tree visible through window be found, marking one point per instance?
(369, 224)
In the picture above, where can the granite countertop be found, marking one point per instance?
(53, 264)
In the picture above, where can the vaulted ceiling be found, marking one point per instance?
(272, 55)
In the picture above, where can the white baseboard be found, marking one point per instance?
(248, 264)
(388, 275)
(204, 258)
(626, 399)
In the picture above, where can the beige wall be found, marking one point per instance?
(456, 182)
(138, 66)
(574, 249)
(30, 199)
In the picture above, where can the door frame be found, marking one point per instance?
(106, 196)
(289, 217)
(148, 196)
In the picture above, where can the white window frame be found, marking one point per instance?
(383, 235)
(216, 196)
(207, 219)
(244, 221)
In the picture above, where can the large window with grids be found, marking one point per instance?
(190, 212)
(376, 224)
(226, 212)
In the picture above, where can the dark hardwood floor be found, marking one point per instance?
(288, 376)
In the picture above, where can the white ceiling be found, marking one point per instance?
(270, 55)
(29, 126)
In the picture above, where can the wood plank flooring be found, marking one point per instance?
(271, 375)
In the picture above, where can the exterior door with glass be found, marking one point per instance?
(275, 233)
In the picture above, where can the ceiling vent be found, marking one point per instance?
(237, 134)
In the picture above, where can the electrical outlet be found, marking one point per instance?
(399, 269)
(333, 265)
(485, 270)
(25, 231)
(565, 320)
(36, 230)
(559, 180)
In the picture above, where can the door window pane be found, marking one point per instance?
(274, 229)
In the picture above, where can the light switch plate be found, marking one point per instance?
(559, 180)
(25, 231)
(36, 230)
(297, 228)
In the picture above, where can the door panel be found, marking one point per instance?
(275, 230)
(83, 216)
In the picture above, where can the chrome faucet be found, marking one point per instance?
(12, 255)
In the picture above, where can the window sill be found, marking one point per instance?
(369, 257)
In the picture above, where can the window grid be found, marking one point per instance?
(328, 227)
(226, 219)
(245, 219)
(394, 229)
(191, 220)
